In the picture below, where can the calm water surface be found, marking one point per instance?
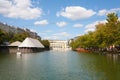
(59, 65)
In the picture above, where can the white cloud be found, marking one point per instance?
(60, 35)
(19, 9)
(64, 34)
(91, 27)
(51, 37)
(102, 12)
(61, 24)
(33, 30)
(79, 34)
(105, 12)
(76, 12)
(78, 25)
(41, 23)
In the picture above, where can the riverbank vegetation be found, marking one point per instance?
(9, 34)
(105, 35)
(11, 37)
(46, 44)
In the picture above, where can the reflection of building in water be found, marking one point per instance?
(58, 44)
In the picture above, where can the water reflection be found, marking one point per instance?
(113, 57)
(59, 65)
(18, 56)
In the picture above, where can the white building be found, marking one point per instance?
(58, 44)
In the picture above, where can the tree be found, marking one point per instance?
(2, 36)
(45, 43)
(117, 34)
(100, 35)
(112, 18)
(111, 28)
(20, 36)
(104, 35)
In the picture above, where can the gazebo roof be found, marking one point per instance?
(16, 43)
(30, 42)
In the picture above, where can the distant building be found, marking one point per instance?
(15, 30)
(73, 39)
(58, 44)
(31, 33)
(69, 41)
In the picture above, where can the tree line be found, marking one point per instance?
(12, 37)
(105, 35)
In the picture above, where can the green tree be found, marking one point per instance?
(2, 36)
(117, 34)
(45, 43)
(111, 28)
(104, 35)
(100, 35)
(112, 18)
(20, 36)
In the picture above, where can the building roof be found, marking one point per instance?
(30, 42)
(16, 43)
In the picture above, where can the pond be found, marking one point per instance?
(59, 65)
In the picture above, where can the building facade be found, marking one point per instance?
(58, 44)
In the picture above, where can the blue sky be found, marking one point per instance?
(57, 19)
